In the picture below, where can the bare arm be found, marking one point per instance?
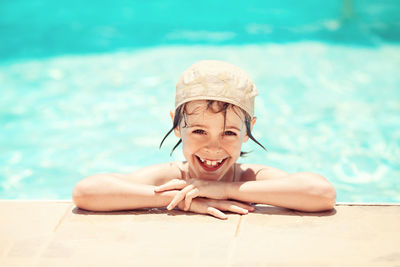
(108, 192)
(262, 185)
(302, 191)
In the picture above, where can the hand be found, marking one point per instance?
(191, 189)
(213, 207)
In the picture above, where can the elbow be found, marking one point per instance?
(327, 196)
(322, 193)
(79, 195)
(83, 194)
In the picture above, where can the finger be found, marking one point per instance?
(216, 213)
(179, 197)
(236, 209)
(171, 185)
(229, 206)
(232, 206)
(242, 205)
(189, 196)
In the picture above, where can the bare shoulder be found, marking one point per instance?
(254, 172)
(155, 174)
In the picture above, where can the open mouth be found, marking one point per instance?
(210, 165)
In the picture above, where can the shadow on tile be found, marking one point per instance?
(267, 210)
(271, 210)
(152, 211)
(79, 211)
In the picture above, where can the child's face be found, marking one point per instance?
(210, 148)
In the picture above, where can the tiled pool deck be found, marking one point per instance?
(56, 233)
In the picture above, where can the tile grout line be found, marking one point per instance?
(45, 244)
(232, 248)
(63, 217)
(238, 226)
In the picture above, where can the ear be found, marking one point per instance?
(176, 130)
(252, 122)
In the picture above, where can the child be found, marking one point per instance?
(214, 116)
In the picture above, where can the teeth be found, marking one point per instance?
(210, 162)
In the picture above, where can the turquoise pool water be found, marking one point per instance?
(88, 89)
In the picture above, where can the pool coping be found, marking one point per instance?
(57, 233)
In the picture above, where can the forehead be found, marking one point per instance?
(200, 111)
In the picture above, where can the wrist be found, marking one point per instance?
(229, 190)
(234, 190)
(164, 198)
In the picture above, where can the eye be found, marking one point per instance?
(199, 131)
(229, 133)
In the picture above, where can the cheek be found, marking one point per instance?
(193, 139)
(233, 145)
(189, 144)
(187, 150)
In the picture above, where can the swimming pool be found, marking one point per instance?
(79, 102)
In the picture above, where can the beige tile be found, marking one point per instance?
(16, 262)
(157, 237)
(22, 219)
(5, 245)
(57, 234)
(360, 235)
(26, 228)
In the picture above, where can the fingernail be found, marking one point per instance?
(168, 207)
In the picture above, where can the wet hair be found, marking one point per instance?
(181, 113)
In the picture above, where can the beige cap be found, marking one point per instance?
(216, 80)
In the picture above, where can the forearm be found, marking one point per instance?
(102, 193)
(302, 191)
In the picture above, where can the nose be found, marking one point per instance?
(213, 145)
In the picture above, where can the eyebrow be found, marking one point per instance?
(203, 126)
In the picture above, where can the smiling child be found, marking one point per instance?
(214, 116)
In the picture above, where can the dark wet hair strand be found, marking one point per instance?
(180, 113)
